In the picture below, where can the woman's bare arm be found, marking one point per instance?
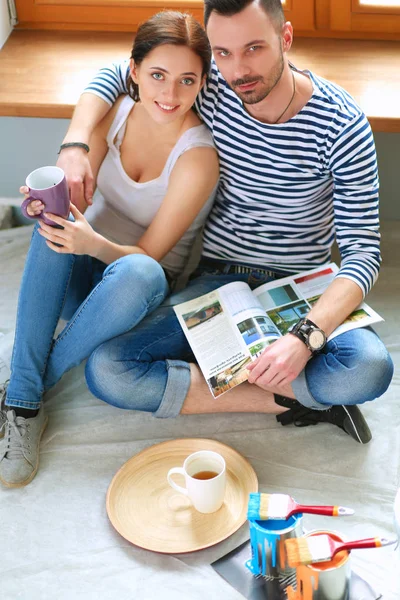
(191, 183)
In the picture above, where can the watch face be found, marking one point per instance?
(316, 339)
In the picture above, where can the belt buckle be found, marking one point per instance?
(249, 270)
(246, 270)
(237, 269)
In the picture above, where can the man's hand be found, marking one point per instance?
(280, 363)
(75, 237)
(78, 172)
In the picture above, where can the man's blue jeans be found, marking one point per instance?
(98, 301)
(148, 369)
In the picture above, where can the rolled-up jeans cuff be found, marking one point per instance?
(13, 403)
(178, 384)
(303, 394)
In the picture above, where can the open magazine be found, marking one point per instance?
(230, 327)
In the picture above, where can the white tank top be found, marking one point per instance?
(123, 209)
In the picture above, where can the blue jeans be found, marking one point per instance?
(148, 369)
(98, 301)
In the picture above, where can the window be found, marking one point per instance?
(312, 18)
(301, 13)
(376, 6)
(124, 15)
(367, 16)
(96, 15)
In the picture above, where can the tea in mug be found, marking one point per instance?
(205, 475)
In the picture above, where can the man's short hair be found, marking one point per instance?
(273, 9)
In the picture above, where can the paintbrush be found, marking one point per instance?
(322, 548)
(281, 507)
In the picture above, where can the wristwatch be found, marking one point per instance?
(308, 332)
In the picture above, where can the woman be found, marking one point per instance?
(156, 170)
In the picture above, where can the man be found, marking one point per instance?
(298, 167)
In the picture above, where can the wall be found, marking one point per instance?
(5, 27)
(388, 150)
(31, 143)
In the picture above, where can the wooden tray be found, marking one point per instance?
(148, 512)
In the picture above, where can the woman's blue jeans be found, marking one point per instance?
(148, 368)
(98, 301)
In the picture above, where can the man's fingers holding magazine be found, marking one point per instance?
(280, 363)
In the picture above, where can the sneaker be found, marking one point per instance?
(3, 390)
(19, 450)
(348, 418)
(351, 420)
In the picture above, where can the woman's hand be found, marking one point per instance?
(35, 207)
(75, 237)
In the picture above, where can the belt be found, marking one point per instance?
(228, 268)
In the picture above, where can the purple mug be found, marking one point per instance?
(48, 184)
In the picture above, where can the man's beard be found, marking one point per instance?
(255, 96)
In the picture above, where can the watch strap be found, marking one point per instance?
(302, 330)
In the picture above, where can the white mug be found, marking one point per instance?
(205, 478)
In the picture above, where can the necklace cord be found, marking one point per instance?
(290, 101)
